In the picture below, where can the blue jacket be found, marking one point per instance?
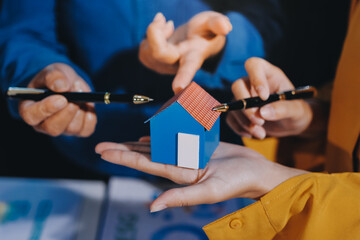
(100, 39)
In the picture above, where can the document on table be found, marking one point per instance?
(36, 209)
(43, 209)
(128, 217)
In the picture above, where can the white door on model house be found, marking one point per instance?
(188, 150)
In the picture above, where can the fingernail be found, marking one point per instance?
(144, 139)
(262, 93)
(77, 86)
(229, 25)
(158, 16)
(102, 156)
(158, 208)
(59, 85)
(259, 132)
(177, 90)
(90, 116)
(60, 102)
(170, 24)
(267, 112)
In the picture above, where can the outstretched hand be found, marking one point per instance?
(233, 171)
(183, 51)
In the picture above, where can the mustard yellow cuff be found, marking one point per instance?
(260, 219)
(243, 224)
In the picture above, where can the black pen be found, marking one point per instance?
(101, 97)
(297, 93)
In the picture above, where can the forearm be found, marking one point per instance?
(274, 174)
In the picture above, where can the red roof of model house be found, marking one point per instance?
(198, 103)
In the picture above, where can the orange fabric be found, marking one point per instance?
(344, 124)
(352, 7)
(309, 206)
(267, 147)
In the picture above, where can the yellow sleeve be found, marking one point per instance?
(309, 206)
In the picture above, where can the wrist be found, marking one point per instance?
(275, 175)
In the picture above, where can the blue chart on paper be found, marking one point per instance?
(128, 215)
(34, 209)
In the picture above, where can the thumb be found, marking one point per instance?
(53, 77)
(282, 110)
(185, 196)
(219, 25)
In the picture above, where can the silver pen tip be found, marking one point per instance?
(221, 108)
(139, 99)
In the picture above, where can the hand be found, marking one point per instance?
(183, 51)
(233, 172)
(54, 115)
(281, 118)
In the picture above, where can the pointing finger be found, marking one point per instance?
(257, 75)
(240, 89)
(188, 67)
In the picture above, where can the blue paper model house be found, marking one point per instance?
(185, 131)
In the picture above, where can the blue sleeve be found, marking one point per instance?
(258, 29)
(243, 42)
(28, 43)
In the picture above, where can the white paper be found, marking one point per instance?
(32, 209)
(128, 215)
